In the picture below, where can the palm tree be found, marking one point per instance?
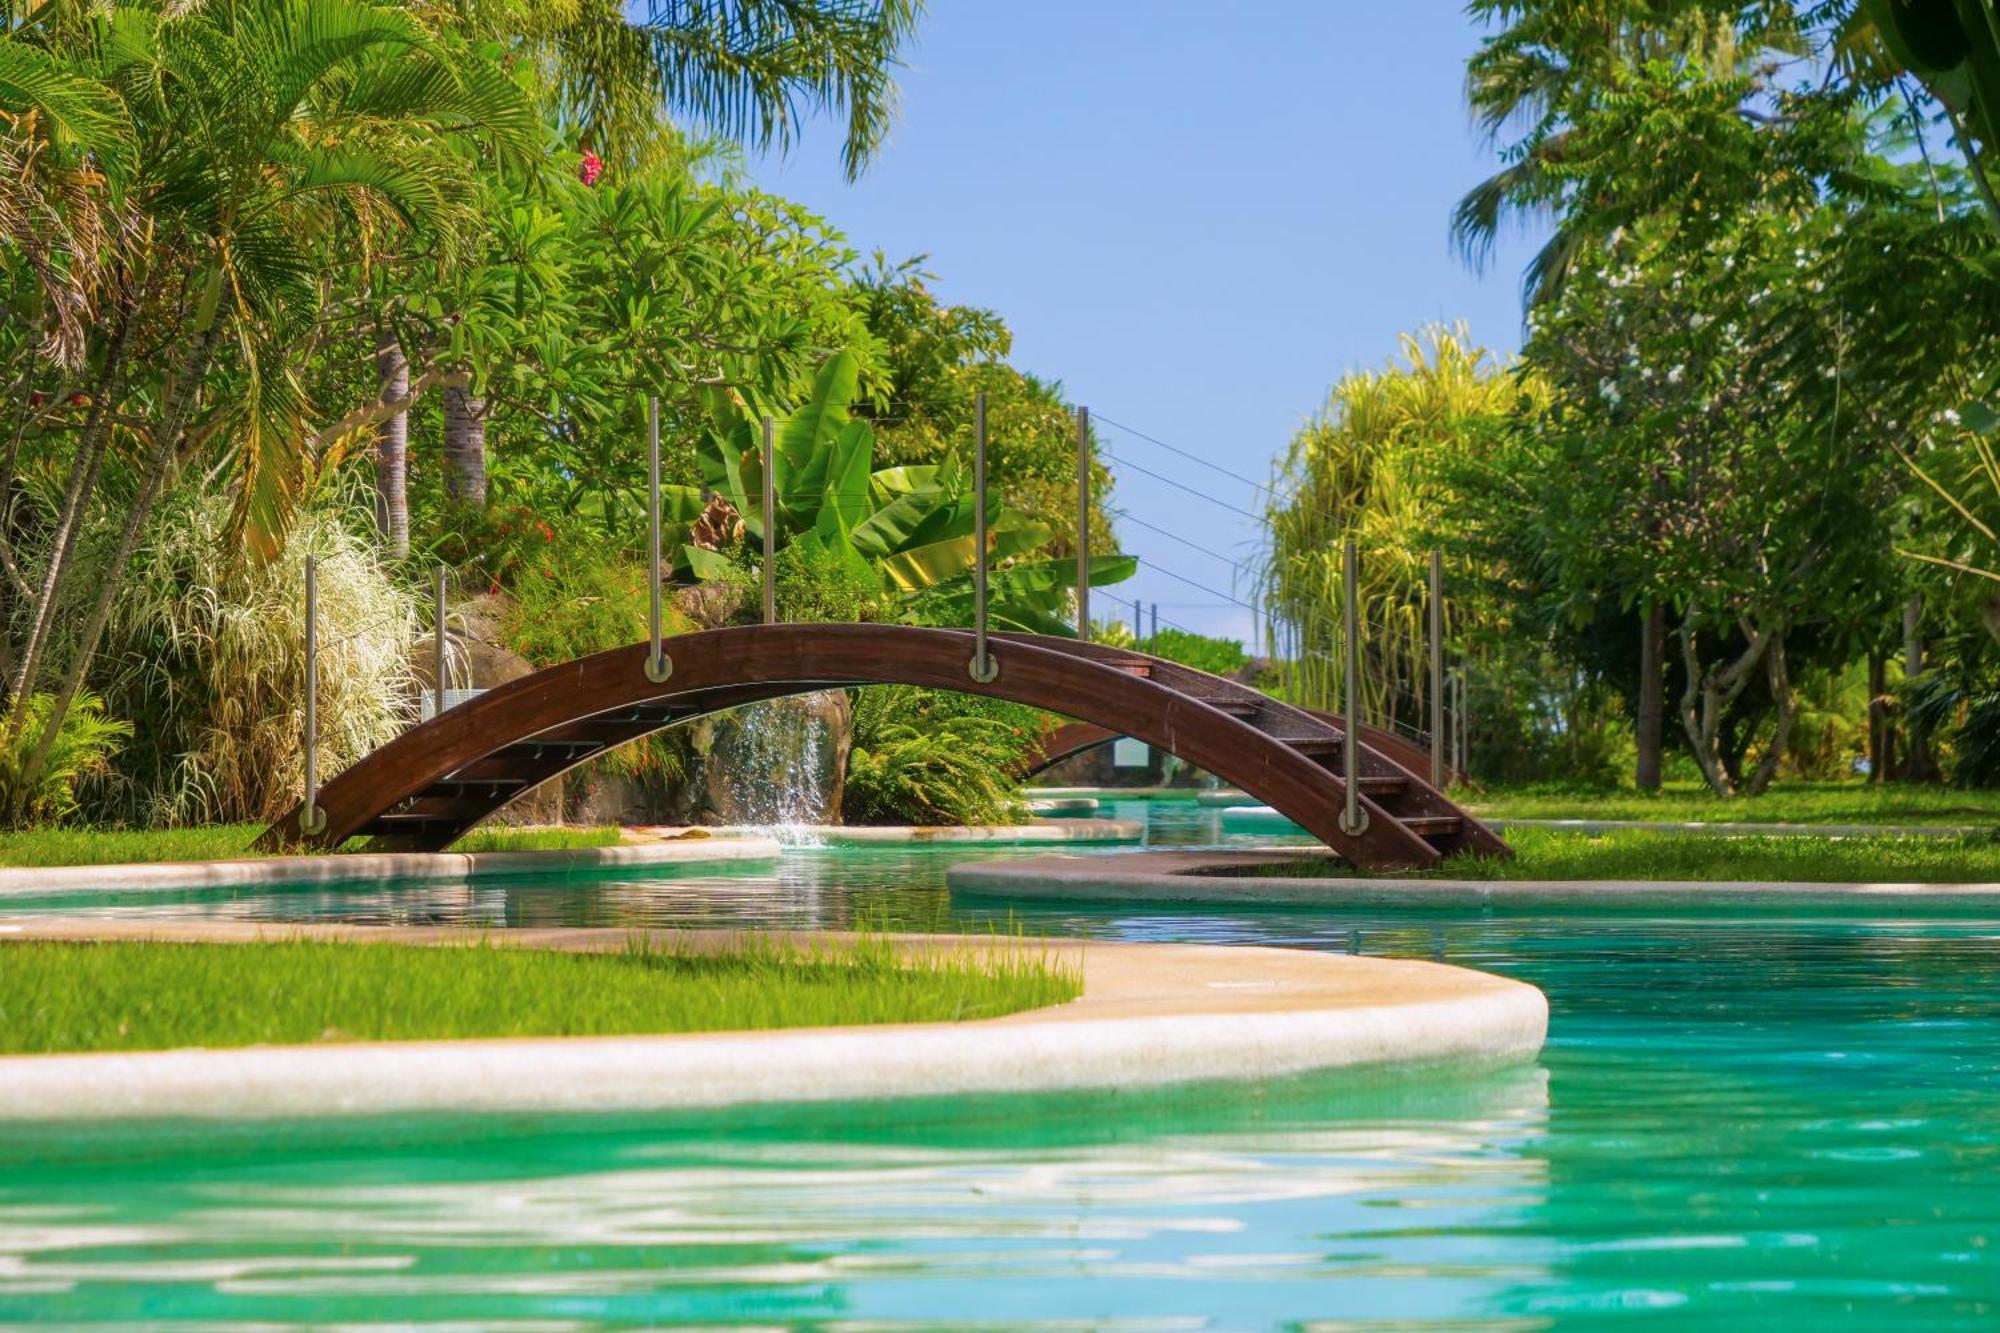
(243, 141)
(752, 71)
(1541, 74)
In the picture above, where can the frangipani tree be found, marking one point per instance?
(906, 534)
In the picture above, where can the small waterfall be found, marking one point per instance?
(781, 750)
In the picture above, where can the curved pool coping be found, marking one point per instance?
(1149, 1015)
(1253, 818)
(1035, 831)
(370, 867)
(1204, 878)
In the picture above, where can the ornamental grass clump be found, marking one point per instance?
(208, 644)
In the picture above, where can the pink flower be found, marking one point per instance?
(591, 169)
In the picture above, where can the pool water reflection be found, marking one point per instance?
(1748, 1123)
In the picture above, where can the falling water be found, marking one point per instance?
(780, 761)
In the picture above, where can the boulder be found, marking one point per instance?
(481, 660)
(780, 762)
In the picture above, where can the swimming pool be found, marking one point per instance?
(1736, 1123)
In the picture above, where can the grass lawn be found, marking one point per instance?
(1631, 854)
(1797, 802)
(142, 995)
(224, 842)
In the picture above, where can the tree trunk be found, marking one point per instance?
(1881, 728)
(85, 469)
(1919, 764)
(1649, 721)
(1711, 692)
(1780, 678)
(392, 445)
(166, 442)
(464, 447)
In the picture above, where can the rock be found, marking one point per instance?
(781, 762)
(480, 660)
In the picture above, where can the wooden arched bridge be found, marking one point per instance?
(431, 784)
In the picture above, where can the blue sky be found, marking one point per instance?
(1196, 224)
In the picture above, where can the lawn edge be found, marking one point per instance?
(372, 867)
(1149, 1015)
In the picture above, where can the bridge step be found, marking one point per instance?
(432, 804)
(1425, 826)
(394, 825)
(598, 731)
(540, 748)
(495, 768)
(1233, 705)
(493, 785)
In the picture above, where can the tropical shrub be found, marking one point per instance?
(579, 598)
(86, 742)
(1373, 468)
(1203, 652)
(930, 757)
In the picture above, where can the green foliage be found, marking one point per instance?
(142, 995)
(1378, 466)
(900, 537)
(931, 757)
(577, 599)
(935, 360)
(1201, 651)
(86, 742)
(814, 583)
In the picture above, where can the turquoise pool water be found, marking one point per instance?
(1737, 1124)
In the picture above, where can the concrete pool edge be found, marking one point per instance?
(1202, 878)
(368, 867)
(1151, 1015)
(1256, 818)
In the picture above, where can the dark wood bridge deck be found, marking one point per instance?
(430, 785)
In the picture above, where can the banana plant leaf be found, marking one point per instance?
(1029, 596)
(890, 482)
(705, 564)
(820, 418)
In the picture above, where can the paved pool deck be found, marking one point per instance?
(1149, 1015)
(1236, 878)
(373, 867)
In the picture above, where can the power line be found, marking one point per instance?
(1175, 536)
(1181, 486)
(1191, 457)
(1198, 587)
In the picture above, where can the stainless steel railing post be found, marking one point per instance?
(1353, 819)
(1083, 524)
(312, 819)
(770, 526)
(983, 668)
(1437, 668)
(438, 678)
(658, 665)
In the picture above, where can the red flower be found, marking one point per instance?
(591, 169)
